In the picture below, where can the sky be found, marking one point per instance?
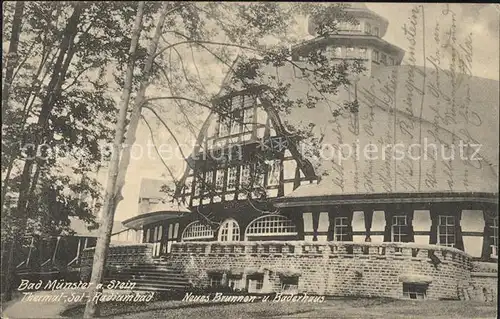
(480, 21)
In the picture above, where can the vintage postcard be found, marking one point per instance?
(249, 159)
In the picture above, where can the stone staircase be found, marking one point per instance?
(154, 276)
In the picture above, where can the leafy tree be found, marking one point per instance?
(59, 112)
(221, 31)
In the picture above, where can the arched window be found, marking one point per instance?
(229, 231)
(197, 230)
(271, 225)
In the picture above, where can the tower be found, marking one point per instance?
(360, 40)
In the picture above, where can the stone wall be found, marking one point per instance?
(340, 269)
(118, 256)
(484, 282)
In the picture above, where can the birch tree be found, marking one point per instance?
(220, 31)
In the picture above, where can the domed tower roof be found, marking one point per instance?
(359, 11)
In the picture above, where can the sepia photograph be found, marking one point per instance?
(266, 159)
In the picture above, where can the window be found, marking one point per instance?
(247, 119)
(350, 52)
(148, 235)
(234, 282)
(229, 231)
(231, 116)
(375, 31)
(219, 182)
(368, 28)
(414, 291)
(290, 285)
(198, 185)
(334, 52)
(494, 237)
(215, 280)
(391, 61)
(255, 283)
(383, 59)
(340, 228)
(197, 230)
(245, 176)
(236, 121)
(231, 178)
(362, 53)
(225, 118)
(259, 175)
(189, 183)
(209, 178)
(271, 225)
(273, 177)
(375, 56)
(446, 231)
(398, 228)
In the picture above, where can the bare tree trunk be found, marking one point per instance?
(101, 250)
(12, 58)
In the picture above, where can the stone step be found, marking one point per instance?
(148, 278)
(147, 273)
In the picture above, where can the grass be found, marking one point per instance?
(334, 308)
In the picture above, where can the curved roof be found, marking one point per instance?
(395, 109)
(161, 211)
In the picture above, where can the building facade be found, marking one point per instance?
(260, 213)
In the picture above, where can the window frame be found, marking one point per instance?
(215, 279)
(446, 234)
(268, 225)
(341, 226)
(232, 180)
(209, 233)
(494, 237)
(368, 28)
(294, 285)
(401, 228)
(272, 170)
(219, 180)
(229, 231)
(416, 290)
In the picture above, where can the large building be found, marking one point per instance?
(262, 213)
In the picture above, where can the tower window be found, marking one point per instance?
(383, 59)
(362, 53)
(368, 28)
(350, 53)
(375, 31)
